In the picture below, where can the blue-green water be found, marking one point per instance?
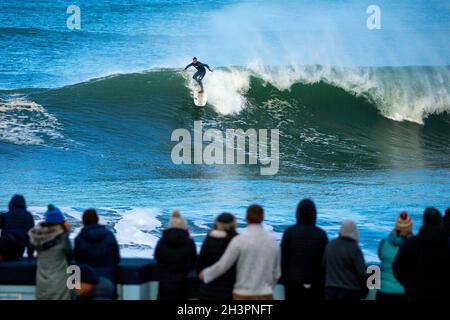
(86, 116)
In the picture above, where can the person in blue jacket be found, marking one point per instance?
(391, 289)
(14, 226)
(97, 247)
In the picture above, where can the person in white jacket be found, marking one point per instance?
(257, 258)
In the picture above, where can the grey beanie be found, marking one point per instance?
(349, 229)
(176, 221)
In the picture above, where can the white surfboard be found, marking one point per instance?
(200, 99)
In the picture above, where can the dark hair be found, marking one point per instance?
(194, 58)
(90, 217)
(225, 222)
(255, 214)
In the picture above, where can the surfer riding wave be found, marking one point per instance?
(201, 71)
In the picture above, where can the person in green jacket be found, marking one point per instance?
(51, 240)
(391, 289)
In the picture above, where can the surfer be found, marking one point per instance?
(201, 71)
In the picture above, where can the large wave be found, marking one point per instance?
(338, 116)
(407, 93)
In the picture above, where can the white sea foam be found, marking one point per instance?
(27, 122)
(135, 227)
(225, 89)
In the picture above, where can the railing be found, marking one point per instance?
(137, 280)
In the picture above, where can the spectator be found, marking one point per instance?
(302, 249)
(257, 260)
(391, 289)
(213, 248)
(345, 269)
(175, 254)
(93, 286)
(97, 247)
(14, 226)
(423, 262)
(51, 239)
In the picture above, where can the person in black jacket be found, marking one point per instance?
(345, 268)
(14, 226)
(446, 223)
(97, 247)
(213, 248)
(422, 264)
(302, 249)
(175, 255)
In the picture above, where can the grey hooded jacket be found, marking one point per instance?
(54, 251)
(344, 261)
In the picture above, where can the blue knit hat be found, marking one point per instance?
(54, 215)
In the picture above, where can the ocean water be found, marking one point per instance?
(86, 115)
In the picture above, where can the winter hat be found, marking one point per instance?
(225, 222)
(54, 215)
(88, 275)
(404, 223)
(349, 229)
(176, 221)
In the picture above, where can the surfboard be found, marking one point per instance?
(200, 99)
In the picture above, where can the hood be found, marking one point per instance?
(306, 212)
(432, 235)
(94, 233)
(17, 202)
(175, 237)
(43, 236)
(349, 230)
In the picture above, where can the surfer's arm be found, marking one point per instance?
(208, 67)
(188, 66)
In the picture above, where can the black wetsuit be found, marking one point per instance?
(201, 71)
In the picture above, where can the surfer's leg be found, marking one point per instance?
(197, 77)
(200, 78)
